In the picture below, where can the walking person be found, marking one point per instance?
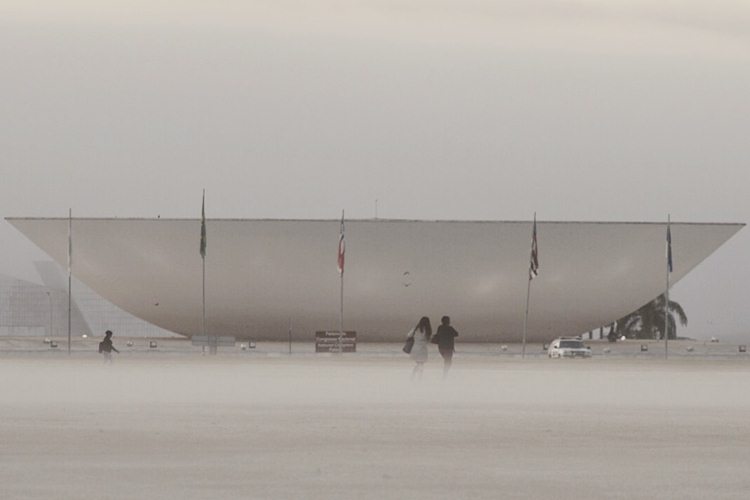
(445, 339)
(106, 347)
(421, 335)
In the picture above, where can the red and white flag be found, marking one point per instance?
(342, 246)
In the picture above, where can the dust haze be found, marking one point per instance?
(163, 426)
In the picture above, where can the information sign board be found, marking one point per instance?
(336, 341)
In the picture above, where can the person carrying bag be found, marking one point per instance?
(416, 345)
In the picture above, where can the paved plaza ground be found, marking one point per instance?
(170, 423)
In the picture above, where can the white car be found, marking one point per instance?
(568, 347)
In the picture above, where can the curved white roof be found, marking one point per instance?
(262, 274)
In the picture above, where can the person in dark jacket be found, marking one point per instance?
(106, 347)
(445, 339)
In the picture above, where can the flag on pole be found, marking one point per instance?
(342, 246)
(534, 260)
(669, 247)
(70, 240)
(203, 226)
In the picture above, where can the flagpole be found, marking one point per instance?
(341, 288)
(70, 266)
(211, 346)
(666, 293)
(526, 318)
(341, 312)
(204, 301)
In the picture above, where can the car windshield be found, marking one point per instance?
(571, 344)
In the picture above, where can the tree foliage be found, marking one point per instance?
(647, 322)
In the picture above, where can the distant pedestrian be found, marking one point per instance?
(445, 339)
(421, 335)
(106, 347)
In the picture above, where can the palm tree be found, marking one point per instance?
(648, 321)
(657, 316)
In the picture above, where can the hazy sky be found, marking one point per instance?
(472, 109)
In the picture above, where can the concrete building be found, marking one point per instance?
(263, 275)
(29, 309)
